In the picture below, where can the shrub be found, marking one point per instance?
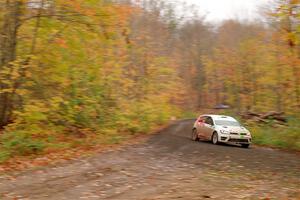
(21, 143)
(4, 155)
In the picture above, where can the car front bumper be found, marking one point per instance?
(237, 139)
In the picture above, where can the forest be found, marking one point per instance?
(82, 73)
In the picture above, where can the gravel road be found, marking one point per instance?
(167, 166)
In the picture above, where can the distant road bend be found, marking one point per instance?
(168, 165)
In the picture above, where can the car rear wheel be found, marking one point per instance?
(214, 138)
(245, 145)
(195, 135)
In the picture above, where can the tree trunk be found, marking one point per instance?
(8, 44)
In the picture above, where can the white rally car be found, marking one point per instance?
(221, 129)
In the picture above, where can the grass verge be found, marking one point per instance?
(68, 147)
(286, 137)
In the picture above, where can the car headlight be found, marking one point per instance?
(224, 131)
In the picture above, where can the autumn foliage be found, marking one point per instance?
(81, 69)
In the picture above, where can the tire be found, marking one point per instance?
(214, 138)
(245, 145)
(195, 135)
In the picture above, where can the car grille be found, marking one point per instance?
(234, 133)
(238, 140)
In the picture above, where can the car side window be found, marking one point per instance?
(203, 118)
(209, 121)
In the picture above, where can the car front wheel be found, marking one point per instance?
(214, 138)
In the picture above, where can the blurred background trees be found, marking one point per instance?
(92, 66)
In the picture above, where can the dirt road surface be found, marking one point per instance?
(167, 166)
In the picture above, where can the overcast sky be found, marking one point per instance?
(217, 10)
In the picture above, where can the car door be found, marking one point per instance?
(208, 128)
(201, 126)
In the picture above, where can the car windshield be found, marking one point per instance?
(227, 123)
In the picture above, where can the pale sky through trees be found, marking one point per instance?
(216, 10)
